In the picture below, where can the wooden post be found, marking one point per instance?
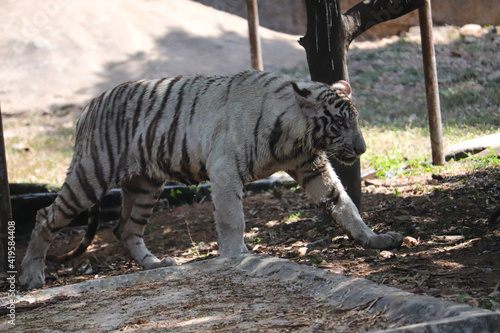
(253, 32)
(5, 208)
(431, 83)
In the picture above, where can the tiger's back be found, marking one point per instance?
(171, 128)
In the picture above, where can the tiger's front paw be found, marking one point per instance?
(166, 262)
(386, 241)
(31, 279)
(227, 251)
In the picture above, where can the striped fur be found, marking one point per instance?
(228, 130)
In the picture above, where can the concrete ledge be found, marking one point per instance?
(476, 323)
(406, 312)
(400, 307)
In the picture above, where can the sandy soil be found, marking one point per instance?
(64, 52)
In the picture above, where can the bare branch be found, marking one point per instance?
(368, 13)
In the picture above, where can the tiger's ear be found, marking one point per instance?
(302, 96)
(343, 86)
(303, 92)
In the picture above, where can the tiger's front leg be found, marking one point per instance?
(227, 193)
(321, 182)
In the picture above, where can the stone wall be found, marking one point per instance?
(290, 15)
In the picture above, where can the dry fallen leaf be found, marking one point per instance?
(410, 241)
(386, 254)
(303, 251)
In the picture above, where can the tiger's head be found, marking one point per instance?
(334, 119)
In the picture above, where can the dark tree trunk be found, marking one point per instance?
(329, 34)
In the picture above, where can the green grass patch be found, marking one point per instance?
(293, 217)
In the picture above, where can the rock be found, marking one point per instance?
(472, 30)
(22, 147)
(487, 270)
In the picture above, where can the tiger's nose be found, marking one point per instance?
(360, 150)
(360, 146)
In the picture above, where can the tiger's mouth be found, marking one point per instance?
(348, 155)
(346, 160)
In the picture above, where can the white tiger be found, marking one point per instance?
(229, 130)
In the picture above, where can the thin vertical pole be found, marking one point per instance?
(5, 208)
(253, 32)
(431, 83)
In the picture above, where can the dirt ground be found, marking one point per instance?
(452, 253)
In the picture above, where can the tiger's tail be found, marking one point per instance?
(92, 226)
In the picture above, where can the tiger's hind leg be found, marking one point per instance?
(76, 195)
(139, 197)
